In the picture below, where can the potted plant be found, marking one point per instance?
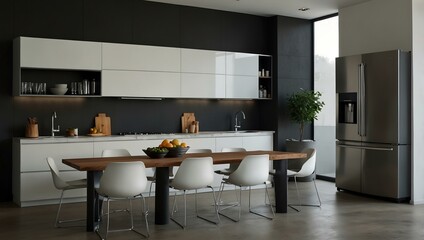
(303, 107)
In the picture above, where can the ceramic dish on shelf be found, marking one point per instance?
(61, 85)
(58, 91)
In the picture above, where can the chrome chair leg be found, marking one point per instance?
(302, 204)
(257, 213)
(144, 212)
(58, 222)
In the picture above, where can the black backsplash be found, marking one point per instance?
(133, 22)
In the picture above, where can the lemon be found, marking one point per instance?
(175, 142)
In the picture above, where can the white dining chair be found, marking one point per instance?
(123, 181)
(115, 153)
(193, 174)
(63, 185)
(253, 170)
(307, 169)
(233, 166)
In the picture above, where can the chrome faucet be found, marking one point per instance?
(237, 123)
(54, 116)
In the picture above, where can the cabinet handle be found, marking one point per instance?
(367, 148)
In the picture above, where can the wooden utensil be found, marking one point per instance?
(186, 121)
(102, 123)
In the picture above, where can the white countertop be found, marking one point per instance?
(206, 134)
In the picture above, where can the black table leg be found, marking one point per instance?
(93, 178)
(162, 196)
(280, 181)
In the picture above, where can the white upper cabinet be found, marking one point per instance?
(140, 84)
(241, 87)
(202, 61)
(194, 85)
(202, 73)
(140, 57)
(242, 75)
(59, 54)
(242, 64)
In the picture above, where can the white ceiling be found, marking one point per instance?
(318, 8)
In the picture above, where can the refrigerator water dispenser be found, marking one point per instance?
(347, 108)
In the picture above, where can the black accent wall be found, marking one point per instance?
(141, 22)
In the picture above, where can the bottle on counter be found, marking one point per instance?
(264, 93)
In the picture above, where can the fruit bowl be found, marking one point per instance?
(155, 152)
(176, 151)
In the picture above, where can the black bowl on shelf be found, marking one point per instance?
(176, 151)
(153, 154)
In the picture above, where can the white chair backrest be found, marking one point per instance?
(253, 170)
(123, 179)
(57, 180)
(194, 173)
(233, 166)
(309, 166)
(233, 149)
(199, 150)
(115, 153)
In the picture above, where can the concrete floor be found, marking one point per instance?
(342, 216)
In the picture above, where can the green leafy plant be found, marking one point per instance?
(304, 107)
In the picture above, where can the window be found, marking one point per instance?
(326, 49)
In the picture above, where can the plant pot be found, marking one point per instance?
(293, 145)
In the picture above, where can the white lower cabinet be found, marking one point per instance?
(37, 188)
(32, 179)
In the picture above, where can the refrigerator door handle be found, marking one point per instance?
(362, 92)
(359, 100)
(366, 148)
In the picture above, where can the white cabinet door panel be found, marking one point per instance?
(202, 61)
(140, 84)
(258, 143)
(228, 142)
(33, 156)
(140, 57)
(39, 186)
(245, 64)
(241, 87)
(60, 54)
(202, 85)
(204, 143)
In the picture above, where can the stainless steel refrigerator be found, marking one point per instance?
(373, 151)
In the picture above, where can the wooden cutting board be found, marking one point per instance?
(102, 123)
(186, 120)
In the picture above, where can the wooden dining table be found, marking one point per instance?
(95, 166)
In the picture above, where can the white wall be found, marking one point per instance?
(374, 26)
(417, 101)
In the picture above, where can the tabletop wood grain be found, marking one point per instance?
(99, 164)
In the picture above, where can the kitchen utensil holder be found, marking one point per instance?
(31, 130)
